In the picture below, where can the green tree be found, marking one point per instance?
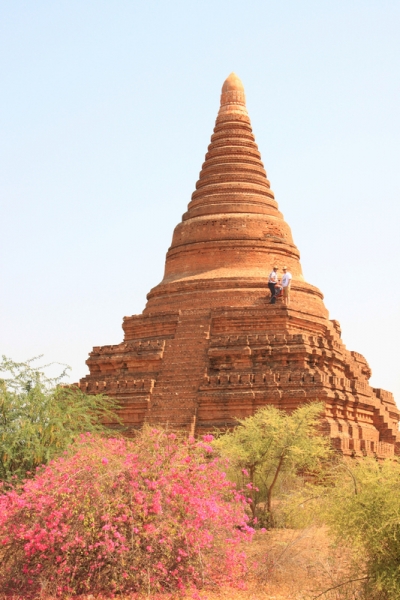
(270, 444)
(363, 510)
(39, 417)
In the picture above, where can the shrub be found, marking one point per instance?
(269, 445)
(364, 510)
(150, 515)
(39, 418)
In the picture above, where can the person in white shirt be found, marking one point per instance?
(272, 281)
(286, 283)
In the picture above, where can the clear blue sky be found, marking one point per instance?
(106, 110)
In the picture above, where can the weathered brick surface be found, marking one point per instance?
(209, 347)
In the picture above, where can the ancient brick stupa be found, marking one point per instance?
(209, 347)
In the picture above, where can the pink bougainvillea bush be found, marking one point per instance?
(151, 515)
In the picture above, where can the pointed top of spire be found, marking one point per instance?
(232, 82)
(232, 91)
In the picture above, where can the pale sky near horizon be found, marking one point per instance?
(106, 111)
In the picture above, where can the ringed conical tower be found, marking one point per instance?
(209, 347)
(233, 232)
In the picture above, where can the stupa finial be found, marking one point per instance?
(232, 91)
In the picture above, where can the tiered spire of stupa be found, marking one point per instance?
(232, 231)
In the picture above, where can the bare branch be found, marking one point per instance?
(335, 587)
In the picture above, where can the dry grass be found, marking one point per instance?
(289, 565)
(294, 565)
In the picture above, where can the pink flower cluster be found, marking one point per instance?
(156, 514)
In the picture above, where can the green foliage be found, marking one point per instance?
(39, 418)
(363, 509)
(271, 446)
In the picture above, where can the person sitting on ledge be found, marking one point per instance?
(272, 281)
